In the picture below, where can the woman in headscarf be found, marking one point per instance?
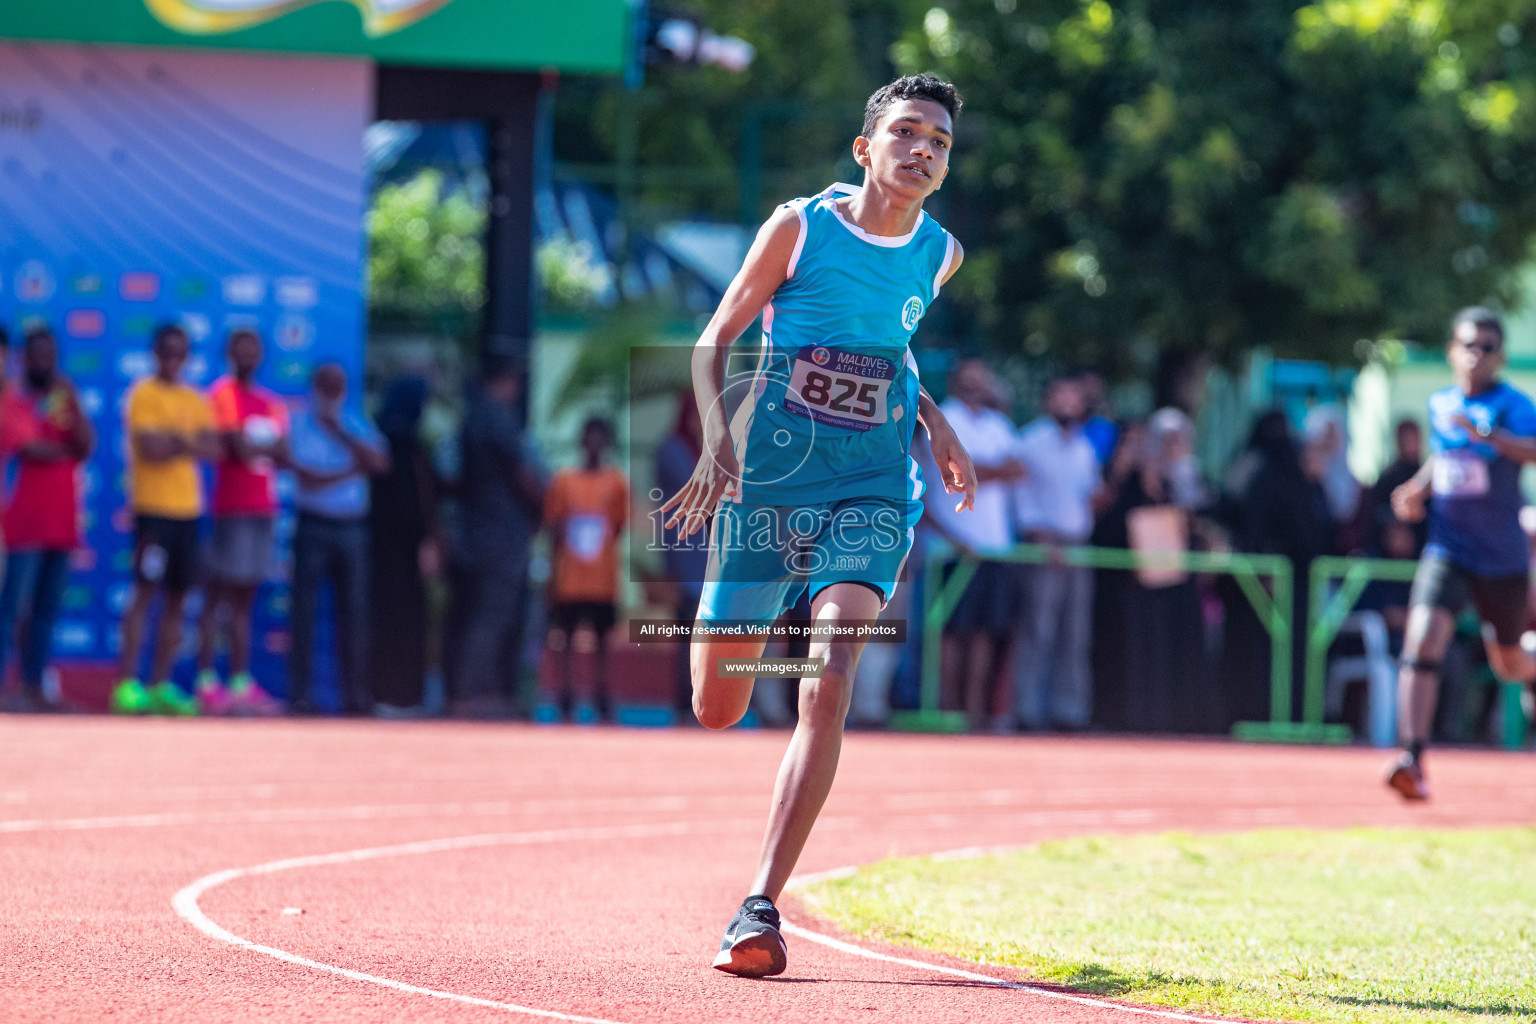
(1146, 661)
(405, 549)
(1275, 507)
(1327, 461)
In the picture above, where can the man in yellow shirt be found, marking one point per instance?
(169, 428)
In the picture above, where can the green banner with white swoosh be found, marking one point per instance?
(577, 36)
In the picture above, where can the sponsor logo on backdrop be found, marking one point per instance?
(74, 638)
(292, 371)
(192, 288)
(297, 292)
(197, 326)
(90, 401)
(136, 364)
(119, 596)
(138, 326)
(245, 289)
(215, 17)
(293, 332)
(139, 286)
(34, 282)
(79, 364)
(85, 284)
(85, 323)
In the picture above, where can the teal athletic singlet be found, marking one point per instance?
(823, 425)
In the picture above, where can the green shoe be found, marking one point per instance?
(129, 697)
(166, 698)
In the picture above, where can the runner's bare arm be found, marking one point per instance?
(1408, 498)
(949, 454)
(1506, 443)
(766, 267)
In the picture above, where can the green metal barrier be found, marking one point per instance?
(1273, 607)
(1326, 614)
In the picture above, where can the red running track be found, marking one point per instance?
(606, 864)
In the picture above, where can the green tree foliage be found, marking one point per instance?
(803, 95)
(1165, 176)
(426, 260)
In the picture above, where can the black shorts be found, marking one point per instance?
(1500, 600)
(165, 552)
(990, 602)
(567, 615)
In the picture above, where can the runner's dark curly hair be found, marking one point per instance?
(912, 87)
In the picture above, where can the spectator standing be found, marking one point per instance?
(1054, 507)
(405, 547)
(1326, 460)
(1099, 428)
(169, 428)
(503, 501)
(977, 635)
(1409, 458)
(334, 448)
(1278, 507)
(42, 516)
(1152, 654)
(252, 428)
(585, 511)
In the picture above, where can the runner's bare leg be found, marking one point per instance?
(805, 776)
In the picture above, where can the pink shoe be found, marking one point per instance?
(212, 697)
(249, 699)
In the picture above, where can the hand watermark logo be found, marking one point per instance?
(215, 17)
(911, 313)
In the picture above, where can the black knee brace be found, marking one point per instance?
(1420, 665)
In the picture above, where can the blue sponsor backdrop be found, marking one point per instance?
(215, 190)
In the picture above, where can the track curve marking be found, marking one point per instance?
(185, 902)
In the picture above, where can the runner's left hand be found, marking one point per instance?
(954, 463)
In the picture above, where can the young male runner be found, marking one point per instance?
(1481, 430)
(813, 478)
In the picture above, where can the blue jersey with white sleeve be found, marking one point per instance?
(828, 412)
(1474, 516)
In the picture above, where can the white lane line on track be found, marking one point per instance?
(352, 812)
(185, 903)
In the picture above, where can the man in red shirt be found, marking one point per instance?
(252, 427)
(42, 518)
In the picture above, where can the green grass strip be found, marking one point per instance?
(1363, 925)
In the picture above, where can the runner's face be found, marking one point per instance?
(1476, 354)
(909, 151)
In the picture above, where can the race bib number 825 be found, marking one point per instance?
(842, 389)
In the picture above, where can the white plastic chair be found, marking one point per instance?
(1376, 668)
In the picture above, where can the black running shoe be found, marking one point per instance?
(1406, 775)
(753, 947)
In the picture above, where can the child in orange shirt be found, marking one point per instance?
(585, 509)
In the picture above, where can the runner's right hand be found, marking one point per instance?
(716, 471)
(1408, 502)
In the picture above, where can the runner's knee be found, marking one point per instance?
(826, 698)
(714, 711)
